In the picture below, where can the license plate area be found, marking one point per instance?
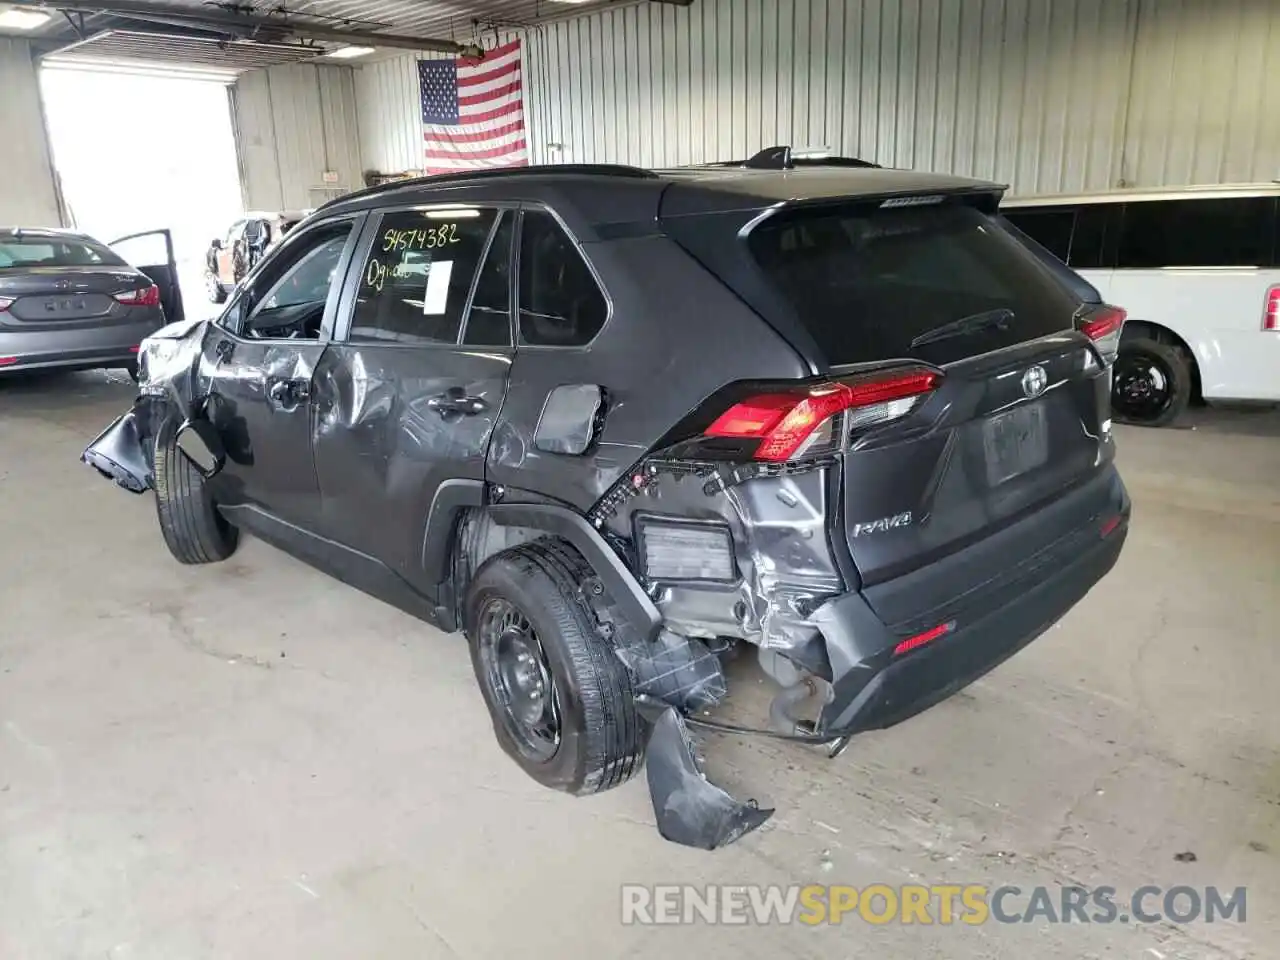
(1015, 442)
(65, 305)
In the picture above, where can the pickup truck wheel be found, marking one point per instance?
(560, 699)
(1150, 383)
(193, 529)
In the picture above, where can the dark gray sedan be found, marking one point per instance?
(69, 302)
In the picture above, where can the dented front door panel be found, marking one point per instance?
(259, 399)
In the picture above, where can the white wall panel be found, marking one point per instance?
(28, 195)
(293, 123)
(1206, 104)
(1047, 95)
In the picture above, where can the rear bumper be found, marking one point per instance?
(83, 348)
(873, 688)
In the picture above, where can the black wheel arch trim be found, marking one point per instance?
(562, 522)
(450, 499)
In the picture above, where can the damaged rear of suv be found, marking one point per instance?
(613, 423)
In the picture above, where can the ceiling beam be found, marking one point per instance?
(244, 25)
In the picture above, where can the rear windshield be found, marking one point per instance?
(17, 252)
(867, 281)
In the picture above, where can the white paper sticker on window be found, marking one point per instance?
(436, 299)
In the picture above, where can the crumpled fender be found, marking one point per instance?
(688, 808)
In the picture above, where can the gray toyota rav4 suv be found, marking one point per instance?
(616, 424)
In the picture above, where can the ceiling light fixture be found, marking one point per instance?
(15, 19)
(347, 53)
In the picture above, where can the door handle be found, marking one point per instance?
(287, 394)
(455, 401)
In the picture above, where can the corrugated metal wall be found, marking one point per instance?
(1206, 93)
(1048, 95)
(28, 194)
(293, 123)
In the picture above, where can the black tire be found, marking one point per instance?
(216, 291)
(193, 529)
(601, 735)
(1150, 384)
(132, 370)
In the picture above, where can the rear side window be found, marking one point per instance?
(37, 251)
(561, 304)
(418, 276)
(868, 282)
(1231, 232)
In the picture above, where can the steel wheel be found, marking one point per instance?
(515, 668)
(1142, 388)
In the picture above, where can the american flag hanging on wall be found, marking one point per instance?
(473, 111)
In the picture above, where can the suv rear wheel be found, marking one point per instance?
(560, 699)
(193, 529)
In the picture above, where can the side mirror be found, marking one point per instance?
(198, 441)
(216, 243)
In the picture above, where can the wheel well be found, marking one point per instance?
(1147, 330)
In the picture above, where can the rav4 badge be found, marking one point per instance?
(883, 524)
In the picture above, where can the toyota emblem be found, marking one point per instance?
(1034, 381)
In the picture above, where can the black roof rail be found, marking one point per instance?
(498, 173)
(784, 158)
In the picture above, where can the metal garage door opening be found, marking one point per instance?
(138, 150)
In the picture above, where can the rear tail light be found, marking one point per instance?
(1104, 327)
(684, 550)
(1270, 312)
(792, 423)
(8, 361)
(142, 297)
(5, 303)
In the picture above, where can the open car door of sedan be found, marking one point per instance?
(152, 253)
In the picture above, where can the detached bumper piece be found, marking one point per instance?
(689, 809)
(118, 454)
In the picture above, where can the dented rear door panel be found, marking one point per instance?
(383, 444)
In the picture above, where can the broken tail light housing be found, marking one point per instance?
(673, 549)
(142, 297)
(5, 303)
(1104, 326)
(793, 423)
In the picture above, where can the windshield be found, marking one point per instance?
(46, 251)
(867, 281)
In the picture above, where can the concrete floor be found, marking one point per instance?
(250, 760)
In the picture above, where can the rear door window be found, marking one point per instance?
(419, 275)
(1227, 232)
(869, 282)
